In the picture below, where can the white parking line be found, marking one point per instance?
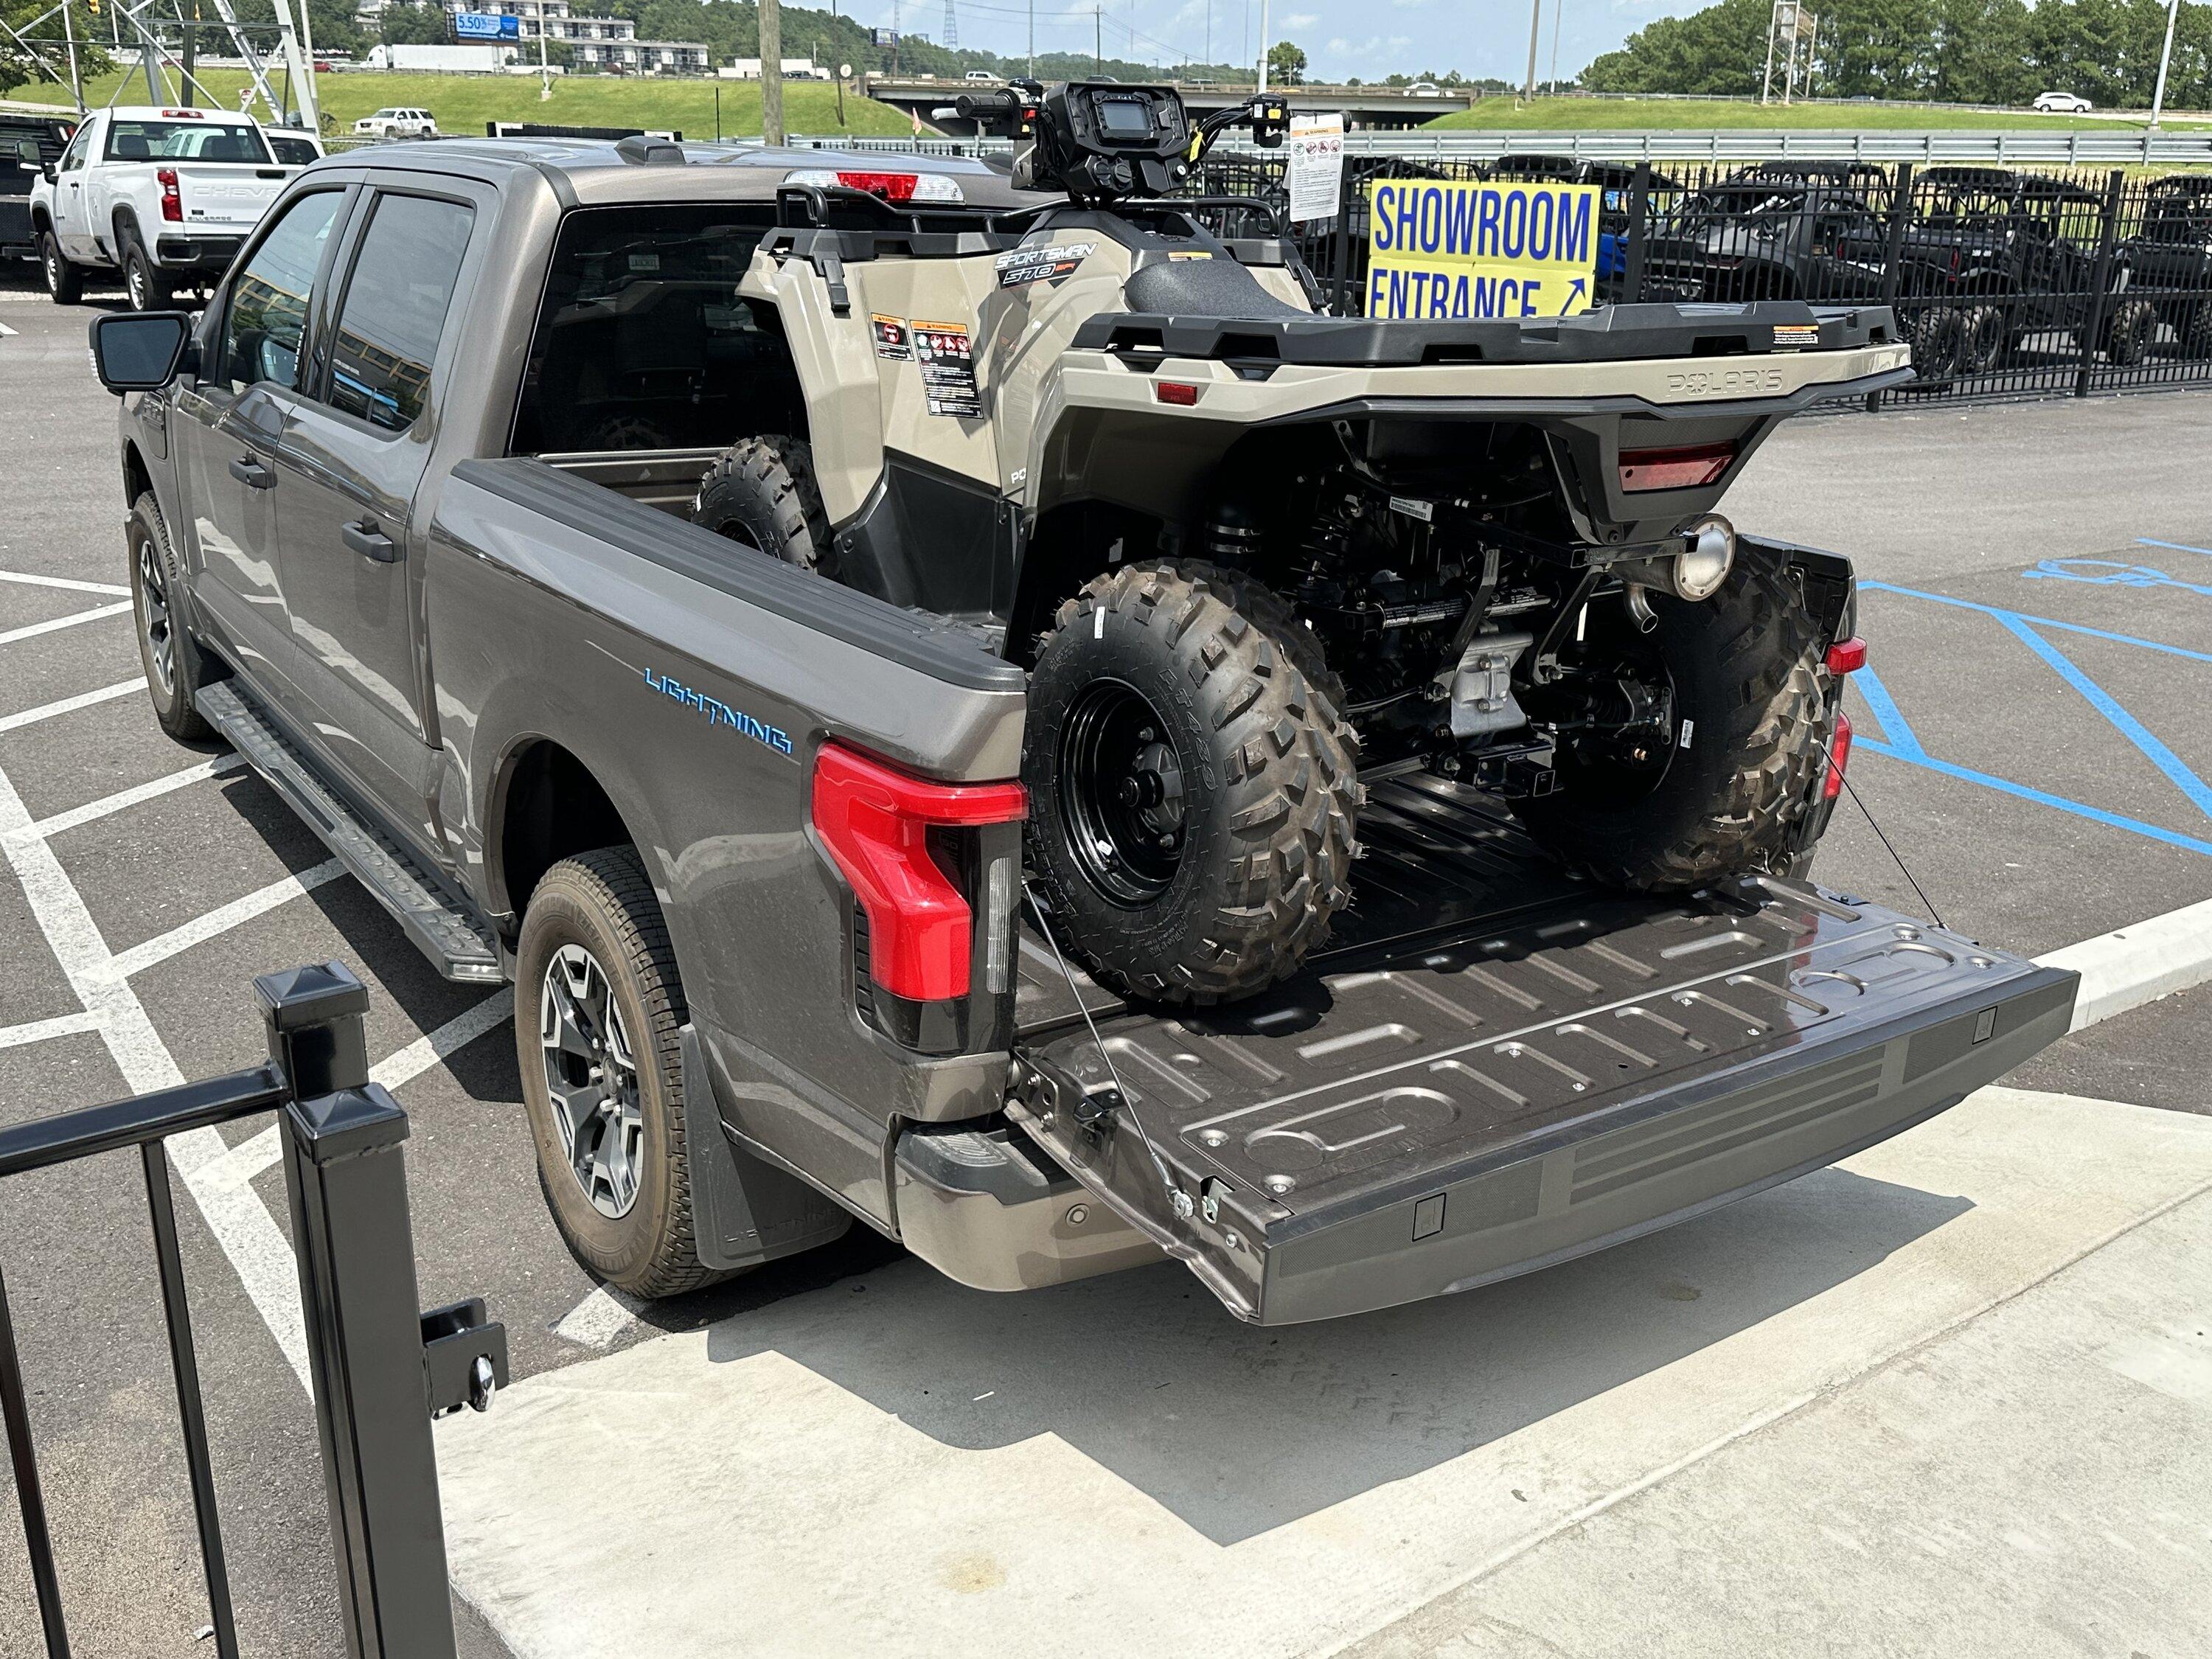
(241, 1223)
(31, 630)
(46, 711)
(38, 1030)
(200, 929)
(68, 584)
(396, 1071)
(599, 1319)
(138, 794)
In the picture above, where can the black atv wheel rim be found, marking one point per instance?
(1120, 795)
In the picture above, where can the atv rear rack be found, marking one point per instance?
(1499, 1068)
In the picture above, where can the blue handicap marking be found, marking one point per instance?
(2110, 573)
(1899, 741)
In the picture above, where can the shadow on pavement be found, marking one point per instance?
(1238, 1430)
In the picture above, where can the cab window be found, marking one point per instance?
(73, 157)
(268, 304)
(396, 302)
(183, 141)
(642, 342)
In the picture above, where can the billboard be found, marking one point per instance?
(1439, 249)
(485, 26)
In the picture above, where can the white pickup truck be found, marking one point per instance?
(165, 196)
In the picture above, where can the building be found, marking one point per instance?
(608, 44)
(794, 69)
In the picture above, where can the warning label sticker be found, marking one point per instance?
(948, 369)
(1790, 336)
(893, 340)
(1053, 264)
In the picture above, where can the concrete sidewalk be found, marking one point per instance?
(1946, 1397)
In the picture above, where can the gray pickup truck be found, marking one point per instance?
(407, 527)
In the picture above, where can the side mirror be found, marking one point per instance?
(52, 172)
(139, 350)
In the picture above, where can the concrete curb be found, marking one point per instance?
(2139, 963)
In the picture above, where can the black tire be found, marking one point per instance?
(2195, 331)
(175, 666)
(761, 492)
(144, 281)
(1985, 339)
(1939, 342)
(64, 282)
(1245, 775)
(1751, 682)
(603, 902)
(2128, 337)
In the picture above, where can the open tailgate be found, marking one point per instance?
(1494, 1067)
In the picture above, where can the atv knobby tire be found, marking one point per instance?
(1210, 674)
(1750, 712)
(761, 492)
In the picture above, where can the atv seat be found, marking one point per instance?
(1216, 288)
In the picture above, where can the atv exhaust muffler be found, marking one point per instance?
(1696, 572)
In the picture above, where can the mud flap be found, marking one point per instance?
(745, 1211)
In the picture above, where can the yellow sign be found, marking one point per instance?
(1437, 249)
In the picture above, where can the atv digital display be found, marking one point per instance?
(1125, 119)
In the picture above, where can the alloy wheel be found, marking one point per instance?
(153, 623)
(590, 1079)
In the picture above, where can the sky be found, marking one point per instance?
(1341, 38)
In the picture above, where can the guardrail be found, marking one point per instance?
(380, 1369)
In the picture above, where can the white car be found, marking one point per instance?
(397, 123)
(2061, 103)
(982, 76)
(165, 196)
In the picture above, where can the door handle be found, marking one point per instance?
(365, 538)
(251, 473)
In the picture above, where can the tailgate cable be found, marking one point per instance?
(1843, 777)
(1103, 1104)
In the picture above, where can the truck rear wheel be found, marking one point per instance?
(598, 1009)
(146, 283)
(1193, 787)
(1750, 711)
(761, 492)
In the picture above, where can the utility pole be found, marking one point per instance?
(1264, 31)
(841, 67)
(190, 56)
(1209, 34)
(1032, 40)
(1535, 28)
(76, 82)
(1766, 75)
(1559, 10)
(1099, 39)
(771, 51)
(2166, 56)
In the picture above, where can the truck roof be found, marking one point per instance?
(599, 171)
(175, 113)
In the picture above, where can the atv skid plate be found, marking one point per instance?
(1493, 1067)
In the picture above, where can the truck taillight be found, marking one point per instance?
(897, 840)
(1687, 468)
(890, 186)
(173, 204)
(1847, 656)
(1840, 757)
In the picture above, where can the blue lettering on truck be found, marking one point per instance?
(719, 713)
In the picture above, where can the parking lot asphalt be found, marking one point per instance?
(2036, 803)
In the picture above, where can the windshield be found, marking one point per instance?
(1764, 208)
(185, 141)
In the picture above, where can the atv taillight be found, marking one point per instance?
(1687, 468)
(1175, 391)
(1840, 757)
(1847, 656)
(875, 823)
(173, 204)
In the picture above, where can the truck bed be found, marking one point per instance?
(1493, 1067)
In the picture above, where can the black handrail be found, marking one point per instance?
(375, 1387)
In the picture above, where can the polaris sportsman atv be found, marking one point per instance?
(1251, 554)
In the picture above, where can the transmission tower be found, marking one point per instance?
(951, 27)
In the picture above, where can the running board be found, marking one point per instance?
(461, 946)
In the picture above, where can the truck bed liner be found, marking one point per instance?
(1493, 1066)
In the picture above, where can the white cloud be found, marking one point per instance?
(1302, 19)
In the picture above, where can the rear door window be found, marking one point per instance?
(643, 342)
(395, 308)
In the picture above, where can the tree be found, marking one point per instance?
(18, 67)
(406, 23)
(1286, 65)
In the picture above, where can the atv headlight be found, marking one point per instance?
(891, 186)
(1703, 566)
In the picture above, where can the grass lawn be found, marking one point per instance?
(463, 103)
(1702, 114)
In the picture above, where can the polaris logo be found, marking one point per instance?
(1724, 382)
(719, 713)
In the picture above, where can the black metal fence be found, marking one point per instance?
(380, 1368)
(2008, 282)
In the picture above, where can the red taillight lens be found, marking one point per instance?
(1847, 656)
(891, 186)
(1840, 757)
(1687, 468)
(172, 204)
(875, 821)
(1175, 391)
